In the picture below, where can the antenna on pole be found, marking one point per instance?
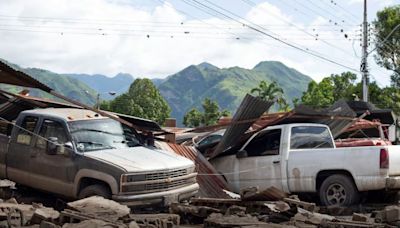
(364, 60)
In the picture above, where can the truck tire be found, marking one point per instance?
(95, 190)
(338, 190)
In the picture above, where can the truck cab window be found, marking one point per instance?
(49, 129)
(310, 137)
(24, 135)
(5, 127)
(266, 143)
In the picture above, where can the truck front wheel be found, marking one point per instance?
(95, 190)
(338, 190)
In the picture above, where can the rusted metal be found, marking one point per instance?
(251, 108)
(9, 75)
(211, 182)
(13, 104)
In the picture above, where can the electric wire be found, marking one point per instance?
(305, 50)
(251, 3)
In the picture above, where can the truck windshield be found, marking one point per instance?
(100, 134)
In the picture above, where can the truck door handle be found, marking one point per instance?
(276, 162)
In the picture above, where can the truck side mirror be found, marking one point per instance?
(66, 149)
(52, 145)
(241, 154)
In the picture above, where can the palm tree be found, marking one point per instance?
(272, 92)
(268, 91)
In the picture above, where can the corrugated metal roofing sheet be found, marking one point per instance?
(9, 75)
(251, 108)
(211, 182)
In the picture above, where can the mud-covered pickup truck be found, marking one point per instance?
(78, 153)
(302, 158)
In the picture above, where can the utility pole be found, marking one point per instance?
(364, 60)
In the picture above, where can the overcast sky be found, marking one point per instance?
(155, 38)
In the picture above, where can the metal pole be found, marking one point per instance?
(364, 60)
(98, 101)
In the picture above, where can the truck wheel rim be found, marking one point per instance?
(336, 194)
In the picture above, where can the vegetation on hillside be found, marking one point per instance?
(188, 88)
(67, 86)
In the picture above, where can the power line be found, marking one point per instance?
(133, 23)
(317, 37)
(331, 5)
(340, 20)
(274, 37)
(356, 18)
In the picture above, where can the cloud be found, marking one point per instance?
(108, 37)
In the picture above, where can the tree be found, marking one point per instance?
(390, 98)
(268, 91)
(271, 92)
(209, 116)
(142, 100)
(211, 112)
(330, 89)
(387, 41)
(319, 94)
(192, 118)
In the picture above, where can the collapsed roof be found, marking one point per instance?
(338, 117)
(12, 104)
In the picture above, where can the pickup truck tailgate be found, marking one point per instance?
(394, 160)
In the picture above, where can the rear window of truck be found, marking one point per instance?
(309, 137)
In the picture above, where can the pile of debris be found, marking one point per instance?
(273, 208)
(252, 208)
(92, 212)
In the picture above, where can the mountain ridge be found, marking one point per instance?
(187, 88)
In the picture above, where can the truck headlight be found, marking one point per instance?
(132, 177)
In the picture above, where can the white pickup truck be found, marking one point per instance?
(302, 158)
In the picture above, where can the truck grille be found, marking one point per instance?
(165, 185)
(154, 187)
(166, 174)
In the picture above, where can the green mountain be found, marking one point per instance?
(187, 88)
(103, 85)
(67, 86)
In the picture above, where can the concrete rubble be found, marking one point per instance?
(254, 208)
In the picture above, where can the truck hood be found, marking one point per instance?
(138, 159)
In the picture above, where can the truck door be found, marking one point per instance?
(262, 165)
(18, 157)
(52, 172)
